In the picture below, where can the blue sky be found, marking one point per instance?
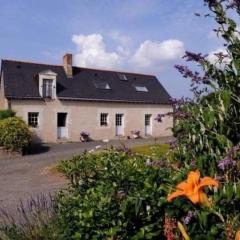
(148, 36)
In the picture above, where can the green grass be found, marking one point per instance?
(154, 150)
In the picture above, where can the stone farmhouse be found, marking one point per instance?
(60, 101)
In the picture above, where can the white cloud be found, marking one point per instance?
(151, 53)
(122, 39)
(92, 52)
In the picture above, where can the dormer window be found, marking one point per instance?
(102, 85)
(122, 76)
(47, 84)
(47, 88)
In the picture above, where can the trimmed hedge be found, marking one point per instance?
(14, 134)
(6, 114)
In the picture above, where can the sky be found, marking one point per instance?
(146, 36)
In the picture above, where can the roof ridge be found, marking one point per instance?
(36, 63)
(117, 71)
(59, 65)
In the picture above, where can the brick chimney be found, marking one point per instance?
(67, 64)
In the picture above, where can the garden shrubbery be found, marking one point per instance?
(6, 114)
(113, 195)
(14, 134)
(198, 196)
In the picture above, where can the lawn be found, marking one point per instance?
(153, 150)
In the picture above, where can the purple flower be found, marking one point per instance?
(219, 178)
(84, 134)
(159, 163)
(124, 149)
(181, 101)
(226, 162)
(196, 57)
(193, 163)
(234, 149)
(189, 217)
(159, 117)
(234, 4)
(173, 144)
(181, 115)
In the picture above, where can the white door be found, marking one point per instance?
(62, 131)
(119, 125)
(148, 124)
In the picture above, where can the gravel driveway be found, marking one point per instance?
(30, 176)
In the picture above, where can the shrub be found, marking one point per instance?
(14, 134)
(113, 195)
(6, 114)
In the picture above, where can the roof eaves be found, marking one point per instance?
(111, 100)
(16, 97)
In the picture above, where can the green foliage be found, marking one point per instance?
(6, 114)
(35, 220)
(210, 134)
(14, 134)
(113, 195)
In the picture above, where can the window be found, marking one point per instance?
(119, 119)
(33, 119)
(147, 119)
(103, 119)
(141, 89)
(122, 76)
(102, 85)
(47, 88)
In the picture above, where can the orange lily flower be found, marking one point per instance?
(192, 188)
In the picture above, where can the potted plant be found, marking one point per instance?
(135, 134)
(84, 136)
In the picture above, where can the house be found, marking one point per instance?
(60, 101)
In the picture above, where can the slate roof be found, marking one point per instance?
(21, 82)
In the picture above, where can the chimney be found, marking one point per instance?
(67, 64)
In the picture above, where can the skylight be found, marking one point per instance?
(102, 85)
(122, 76)
(141, 89)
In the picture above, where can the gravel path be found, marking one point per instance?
(24, 177)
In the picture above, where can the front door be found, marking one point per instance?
(62, 130)
(148, 124)
(119, 125)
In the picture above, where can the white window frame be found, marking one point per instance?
(141, 88)
(104, 119)
(33, 121)
(102, 85)
(50, 75)
(119, 122)
(47, 88)
(147, 120)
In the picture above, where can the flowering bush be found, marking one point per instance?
(84, 136)
(207, 131)
(113, 195)
(136, 133)
(14, 134)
